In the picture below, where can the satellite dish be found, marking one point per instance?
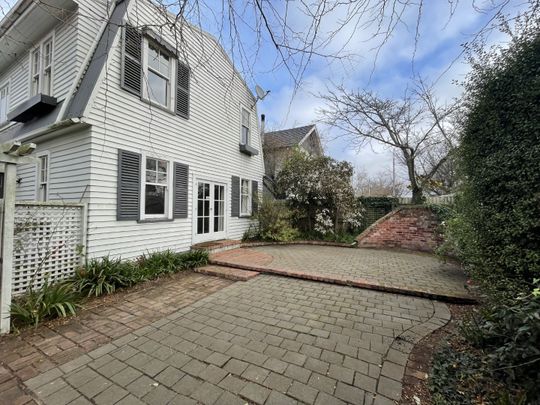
(261, 94)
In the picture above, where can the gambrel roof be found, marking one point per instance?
(286, 138)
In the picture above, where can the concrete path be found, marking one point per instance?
(270, 340)
(392, 271)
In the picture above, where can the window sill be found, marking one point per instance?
(248, 150)
(152, 220)
(157, 106)
(245, 216)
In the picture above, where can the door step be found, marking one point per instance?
(217, 245)
(229, 273)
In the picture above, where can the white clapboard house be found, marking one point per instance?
(146, 121)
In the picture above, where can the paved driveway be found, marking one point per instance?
(415, 273)
(271, 340)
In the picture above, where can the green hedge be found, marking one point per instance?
(388, 203)
(496, 229)
(500, 160)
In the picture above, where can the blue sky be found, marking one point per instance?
(437, 58)
(438, 47)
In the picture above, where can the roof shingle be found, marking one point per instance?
(286, 137)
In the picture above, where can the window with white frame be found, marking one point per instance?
(245, 197)
(158, 73)
(47, 67)
(43, 178)
(36, 71)
(156, 188)
(4, 95)
(245, 127)
(41, 65)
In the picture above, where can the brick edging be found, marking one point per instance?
(396, 358)
(360, 283)
(299, 242)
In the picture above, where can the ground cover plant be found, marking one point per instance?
(52, 300)
(98, 277)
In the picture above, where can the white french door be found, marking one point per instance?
(209, 211)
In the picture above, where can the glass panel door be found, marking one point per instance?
(203, 208)
(219, 208)
(210, 211)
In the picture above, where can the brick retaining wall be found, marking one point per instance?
(411, 228)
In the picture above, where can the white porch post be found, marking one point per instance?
(7, 225)
(11, 154)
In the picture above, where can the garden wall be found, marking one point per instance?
(411, 228)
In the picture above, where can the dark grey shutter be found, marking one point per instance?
(180, 178)
(132, 68)
(254, 197)
(129, 186)
(182, 90)
(235, 196)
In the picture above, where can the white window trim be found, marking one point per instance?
(41, 66)
(242, 108)
(7, 85)
(38, 175)
(248, 213)
(172, 80)
(168, 195)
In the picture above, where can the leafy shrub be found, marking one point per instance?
(509, 333)
(192, 259)
(154, 264)
(52, 300)
(500, 159)
(272, 222)
(104, 276)
(496, 231)
(318, 189)
(388, 203)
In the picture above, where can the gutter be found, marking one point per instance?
(57, 126)
(13, 15)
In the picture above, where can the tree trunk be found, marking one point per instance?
(417, 192)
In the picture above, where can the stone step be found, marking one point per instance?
(229, 273)
(217, 245)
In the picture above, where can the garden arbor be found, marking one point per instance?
(11, 154)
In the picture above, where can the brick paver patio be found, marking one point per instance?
(395, 271)
(270, 340)
(33, 352)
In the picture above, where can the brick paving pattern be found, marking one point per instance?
(33, 352)
(229, 273)
(270, 340)
(408, 272)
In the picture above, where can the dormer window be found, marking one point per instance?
(159, 76)
(245, 127)
(245, 133)
(41, 69)
(152, 71)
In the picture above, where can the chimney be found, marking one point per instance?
(262, 123)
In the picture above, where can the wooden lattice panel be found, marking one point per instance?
(47, 243)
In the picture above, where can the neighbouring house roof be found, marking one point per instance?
(286, 138)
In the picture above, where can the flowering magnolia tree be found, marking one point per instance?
(319, 190)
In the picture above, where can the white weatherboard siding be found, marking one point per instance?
(69, 168)
(207, 142)
(73, 39)
(17, 77)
